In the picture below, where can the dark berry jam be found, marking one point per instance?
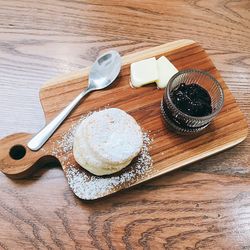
(192, 99)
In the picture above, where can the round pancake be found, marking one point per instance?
(87, 158)
(113, 135)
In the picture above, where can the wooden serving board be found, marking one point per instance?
(168, 150)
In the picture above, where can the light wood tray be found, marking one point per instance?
(168, 150)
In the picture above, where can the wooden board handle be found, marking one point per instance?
(16, 159)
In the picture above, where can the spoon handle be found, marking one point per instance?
(41, 137)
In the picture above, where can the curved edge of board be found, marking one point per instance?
(17, 160)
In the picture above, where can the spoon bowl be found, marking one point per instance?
(105, 70)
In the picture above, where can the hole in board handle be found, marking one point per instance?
(17, 152)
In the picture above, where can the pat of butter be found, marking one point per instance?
(165, 71)
(144, 72)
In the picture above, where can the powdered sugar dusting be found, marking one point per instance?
(64, 145)
(87, 186)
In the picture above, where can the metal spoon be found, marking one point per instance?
(103, 72)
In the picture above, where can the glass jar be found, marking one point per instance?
(181, 122)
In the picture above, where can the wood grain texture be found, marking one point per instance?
(168, 150)
(203, 206)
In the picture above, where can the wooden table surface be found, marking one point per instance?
(205, 205)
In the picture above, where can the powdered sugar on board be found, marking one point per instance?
(63, 147)
(87, 186)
